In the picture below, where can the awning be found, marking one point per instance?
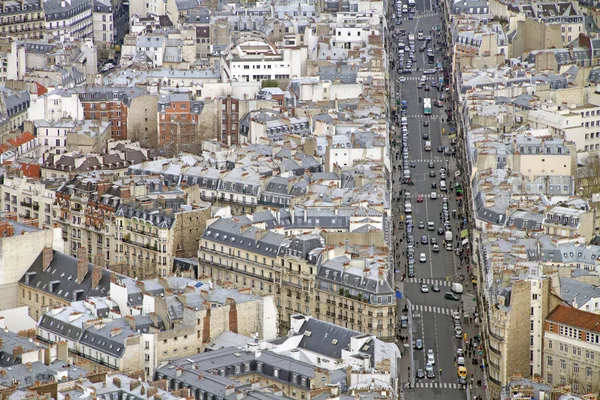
(464, 233)
(465, 241)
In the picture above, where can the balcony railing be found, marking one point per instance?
(495, 351)
(494, 381)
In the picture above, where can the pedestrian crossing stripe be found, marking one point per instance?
(429, 281)
(432, 309)
(437, 385)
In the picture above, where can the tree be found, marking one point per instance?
(588, 177)
(269, 83)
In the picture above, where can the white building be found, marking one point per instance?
(252, 58)
(28, 199)
(156, 7)
(52, 135)
(54, 106)
(153, 46)
(12, 58)
(66, 19)
(102, 19)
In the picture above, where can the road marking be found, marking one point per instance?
(432, 385)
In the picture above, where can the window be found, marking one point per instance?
(276, 373)
(563, 364)
(549, 344)
(550, 361)
(575, 368)
(237, 369)
(588, 372)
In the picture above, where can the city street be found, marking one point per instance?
(430, 317)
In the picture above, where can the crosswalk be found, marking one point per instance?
(419, 308)
(430, 281)
(433, 116)
(437, 385)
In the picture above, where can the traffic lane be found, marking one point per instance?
(430, 299)
(446, 328)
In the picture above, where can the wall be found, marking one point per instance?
(142, 120)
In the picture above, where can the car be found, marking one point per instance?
(430, 357)
(439, 103)
(432, 174)
(419, 85)
(433, 240)
(460, 352)
(433, 195)
(419, 199)
(458, 332)
(411, 272)
(403, 322)
(420, 374)
(435, 288)
(421, 225)
(430, 226)
(451, 296)
(430, 372)
(434, 185)
(424, 288)
(430, 164)
(426, 122)
(422, 258)
(440, 231)
(440, 149)
(426, 135)
(424, 239)
(443, 175)
(411, 16)
(402, 79)
(419, 344)
(413, 164)
(427, 88)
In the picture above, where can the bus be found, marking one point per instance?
(411, 4)
(427, 106)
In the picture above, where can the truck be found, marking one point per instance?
(427, 145)
(448, 236)
(457, 288)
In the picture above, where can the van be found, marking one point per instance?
(431, 226)
(460, 361)
(406, 174)
(443, 187)
(404, 121)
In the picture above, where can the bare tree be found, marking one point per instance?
(588, 177)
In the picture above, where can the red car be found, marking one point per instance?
(419, 199)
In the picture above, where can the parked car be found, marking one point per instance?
(451, 296)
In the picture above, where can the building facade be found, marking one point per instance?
(22, 19)
(572, 349)
(69, 19)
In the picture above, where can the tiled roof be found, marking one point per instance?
(576, 318)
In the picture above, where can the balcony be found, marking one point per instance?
(142, 232)
(494, 381)
(496, 336)
(25, 203)
(239, 271)
(495, 351)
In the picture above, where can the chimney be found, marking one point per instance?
(96, 275)
(47, 255)
(82, 264)
(117, 382)
(17, 351)
(99, 259)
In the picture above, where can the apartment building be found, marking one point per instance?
(102, 24)
(572, 349)
(570, 222)
(150, 233)
(251, 58)
(178, 119)
(191, 315)
(53, 135)
(22, 19)
(69, 19)
(57, 279)
(94, 335)
(29, 199)
(230, 121)
(108, 104)
(13, 108)
(85, 208)
(12, 59)
(295, 269)
(534, 157)
(20, 245)
(56, 105)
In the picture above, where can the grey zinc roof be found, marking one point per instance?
(236, 235)
(10, 340)
(25, 376)
(325, 338)
(576, 292)
(60, 278)
(363, 280)
(109, 338)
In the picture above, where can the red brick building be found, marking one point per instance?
(178, 119)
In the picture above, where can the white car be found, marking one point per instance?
(430, 357)
(422, 258)
(433, 195)
(424, 288)
(402, 79)
(436, 248)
